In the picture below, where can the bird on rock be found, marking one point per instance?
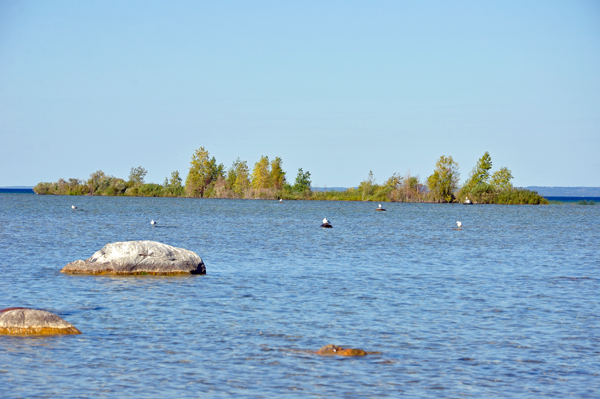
(326, 223)
(459, 224)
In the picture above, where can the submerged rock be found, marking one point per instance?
(139, 257)
(23, 321)
(330, 350)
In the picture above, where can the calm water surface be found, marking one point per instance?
(506, 307)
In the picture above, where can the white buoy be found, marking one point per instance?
(459, 224)
(73, 207)
(153, 223)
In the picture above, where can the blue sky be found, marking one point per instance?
(336, 88)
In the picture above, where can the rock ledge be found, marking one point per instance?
(137, 258)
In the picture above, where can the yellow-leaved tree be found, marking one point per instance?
(261, 173)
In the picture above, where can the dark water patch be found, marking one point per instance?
(16, 191)
(575, 278)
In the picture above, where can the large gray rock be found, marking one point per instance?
(138, 257)
(21, 321)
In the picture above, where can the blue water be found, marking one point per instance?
(573, 199)
(4, 190)
(506, 307)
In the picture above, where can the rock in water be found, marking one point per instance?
(338, 350)
(22, 321)
(139, 257)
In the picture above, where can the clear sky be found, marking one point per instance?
(335, 87)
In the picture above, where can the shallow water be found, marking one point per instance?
(506, 307)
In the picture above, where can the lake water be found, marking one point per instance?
(506, 307)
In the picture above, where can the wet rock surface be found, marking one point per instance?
(139, 258)
(334, 350)
(23, 321)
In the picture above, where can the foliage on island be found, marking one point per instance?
(208, 179)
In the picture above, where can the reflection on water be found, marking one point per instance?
(507, 306)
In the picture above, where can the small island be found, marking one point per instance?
(267, 180)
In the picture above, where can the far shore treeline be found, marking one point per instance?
(267, 180)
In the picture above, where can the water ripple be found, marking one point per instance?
(506, 307)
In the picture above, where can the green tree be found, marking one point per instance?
(480, 173)
(175, 181)
(302, 182)
(95, 180)
(238, 177)
(137, 175)
(501, 179)
(261, 173)
(217, 170)
(277, 174)
(444, 180)
(367, 187)
(203, 170)
(232, 173)
(393, 182)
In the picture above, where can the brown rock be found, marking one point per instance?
(331, 350)
(23, 321)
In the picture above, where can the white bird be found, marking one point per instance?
(280, 200)
(379, 205)
(73, 207)
(153, 223)
(325, 221)
(459, 224)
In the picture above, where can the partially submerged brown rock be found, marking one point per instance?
(22, 321)
(330, 350)
(139, 257)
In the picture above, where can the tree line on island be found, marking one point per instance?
(267, 180)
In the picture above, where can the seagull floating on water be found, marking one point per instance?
(153, 223)
(73, 207)
(459, 224)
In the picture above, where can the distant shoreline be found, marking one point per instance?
(16, 190)
(565, 199)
